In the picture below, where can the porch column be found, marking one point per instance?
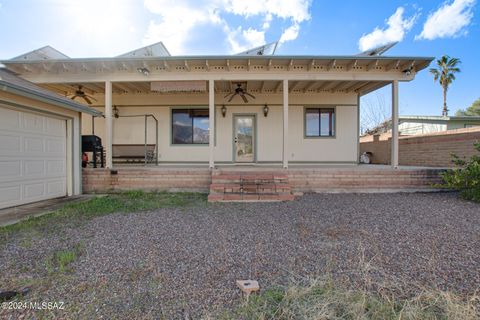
(211, 118)
(108, 124)
(285, 124)
(394, 160)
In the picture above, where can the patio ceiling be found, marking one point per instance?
(253, 86)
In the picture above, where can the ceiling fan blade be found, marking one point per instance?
(90, 97)
(73, 97)
(228, 94)
(86, 99)
(244, 98)
(250, 95)
(231, 98)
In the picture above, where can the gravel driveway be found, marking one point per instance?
(175, 262)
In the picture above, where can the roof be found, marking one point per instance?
(136, 70)
(10, 82)
(266, 49)
(440, 118)
(43, 53)
(154, 50)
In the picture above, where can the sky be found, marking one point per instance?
(104, 28)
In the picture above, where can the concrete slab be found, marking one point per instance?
(15, 214)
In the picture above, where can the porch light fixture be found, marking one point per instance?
(407, 71)
(116, 112)
(144, 71)
(224, 111)
(265, 110)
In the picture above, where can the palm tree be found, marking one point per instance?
(445, 74)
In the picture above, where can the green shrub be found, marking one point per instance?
(466, 177)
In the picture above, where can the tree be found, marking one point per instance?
(473, 110)
(445, 74)
(374, 114)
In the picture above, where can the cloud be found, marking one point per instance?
(241, 40)
(175, 23)
(449, 21)
(398, 26)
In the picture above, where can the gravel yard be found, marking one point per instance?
(173, 262)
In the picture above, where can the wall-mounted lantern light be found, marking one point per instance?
(116, 112)
(265, 110)
(224, 111)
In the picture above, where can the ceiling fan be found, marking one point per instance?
(240, 92)
(79, 93)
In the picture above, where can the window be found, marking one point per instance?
(190, 126)
(319, 122)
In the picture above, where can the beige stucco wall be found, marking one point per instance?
(341, 148)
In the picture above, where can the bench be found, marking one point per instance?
(133, 152)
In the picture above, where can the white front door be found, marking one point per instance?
(244, 138)
(33, 157)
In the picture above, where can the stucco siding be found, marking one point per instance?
(269, 136)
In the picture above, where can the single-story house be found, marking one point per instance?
(39, 142)
(222, 110)
(412, 125)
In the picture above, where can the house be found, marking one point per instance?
(252, 109)
(412, 125)
(39, 142)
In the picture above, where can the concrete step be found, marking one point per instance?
(250, 186)
(236, 197)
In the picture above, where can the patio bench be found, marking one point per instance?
(132, 153)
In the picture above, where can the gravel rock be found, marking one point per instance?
(174, 263)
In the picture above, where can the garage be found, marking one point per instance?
(40, 154)
(33, 157)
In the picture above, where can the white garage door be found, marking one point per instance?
(32, 157)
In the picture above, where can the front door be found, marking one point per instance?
(244, 138)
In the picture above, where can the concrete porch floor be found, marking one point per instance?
(263, 167)
(13, 215)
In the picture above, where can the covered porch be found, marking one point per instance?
(272, 127)
(285, 96)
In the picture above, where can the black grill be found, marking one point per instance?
(92, 143)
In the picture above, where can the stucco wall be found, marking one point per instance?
(341, 148)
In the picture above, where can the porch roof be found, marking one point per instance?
(263, 74)
(211, 62)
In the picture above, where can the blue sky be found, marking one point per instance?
(423, 28)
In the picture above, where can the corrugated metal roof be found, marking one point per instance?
(10, 82)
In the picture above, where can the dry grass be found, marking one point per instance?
(324, 299)
(367, 298)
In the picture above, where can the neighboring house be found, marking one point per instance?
(39, 142)
(412, 125)
(289, 109)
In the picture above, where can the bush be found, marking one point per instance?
(466, 177)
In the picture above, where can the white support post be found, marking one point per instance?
(394, 160)
(108, 124)
(211, 118)
(285, 124)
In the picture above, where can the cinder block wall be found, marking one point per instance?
(431, 150)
